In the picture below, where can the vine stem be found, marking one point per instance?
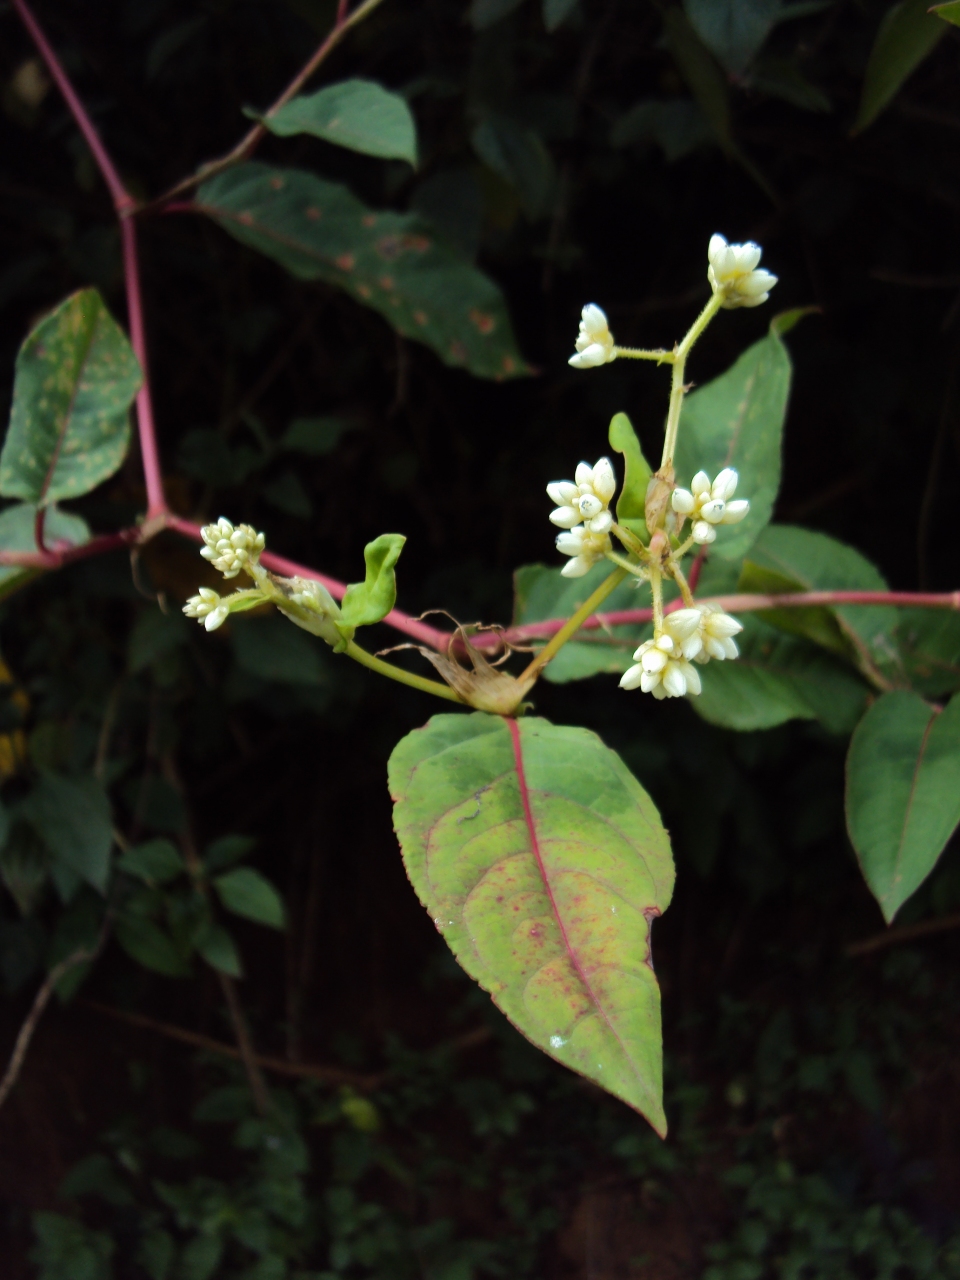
(566, 629)
(397, 673)
(343, 23)
(677, 388)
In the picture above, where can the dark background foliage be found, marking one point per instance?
(826, 1084)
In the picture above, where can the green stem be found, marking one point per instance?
(639, 353)
(682, 583)
(629, 540)
(637, 570)
(677, 388)
(397, 673)
(572, 624)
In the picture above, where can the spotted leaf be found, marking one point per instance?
(543, 862)
(76, 378)
(392, 262)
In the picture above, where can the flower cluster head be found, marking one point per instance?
(595, 341)
(583, 510)
(663, 665)
(734, 275)
(708, 505)
(208, 608)
(231, 549)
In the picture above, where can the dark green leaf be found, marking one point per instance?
(676, 125)
(519, 156)
(484, 13)
(155, 634)
(734, 30)
(903, 792)
(220, 951)
(907, 34)
(78, 927)
(737, 421)
(96, 1176)
(226, 850)
(704, 77)
(67, 1250)
(782, 78)
(389, 261)
(556, 12)
(786, 558)
(76, 378)
(542, 861)
(315, 436)
(359, 114)
(146, 942)
(156, 1253)
(18, 533)
(246, 893)
(72, 815)
(24, 862)
(272, 649)
(287, 493)
(637, 472)
(779, 678)
(368, 601)
(929, 641)
(154, 862)
(201, 1257)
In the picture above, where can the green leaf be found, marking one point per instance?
(18, 533)
(484, 13)
(779, 678)
(949, 12)
(315, 436)
(220, 951)
(637, 473)
(154, 862)
(23, 865)
(556, 12)
(929, 642)
(677, 125)
(67, 1250)
(903, 792)
(72, 815)
(155, 634)
(246, 893)
(226, 850)
(541, 592)
(76, 377)
(787, 558)
(704, 77)
(272, 649)
(144, 941)
(367, 602)
(734, 30)
(517, 153)
(392, 262)
(543, 861)
(907, 34)
(737, 421)
(359, 114)
(201, 1257)
(782, 78)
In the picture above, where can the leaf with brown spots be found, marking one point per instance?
(392, 262)
(76, 378)
(543, 862)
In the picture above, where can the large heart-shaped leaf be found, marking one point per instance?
(76, 378)
(903, 792)
(737, 421)
(359, 114)
(392, 262)
(543, 862)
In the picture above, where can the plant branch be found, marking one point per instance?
(565, 629)
(904, 933)
(403, 677)
(344, 21)
(258, 1086)
(40, 1001)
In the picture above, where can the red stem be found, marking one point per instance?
(124, 205)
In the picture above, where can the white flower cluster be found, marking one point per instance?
(231, 549)
(595, 341)
(733, 273)
(208, 608)
(708, 505)
(664, 665)
(583, 510)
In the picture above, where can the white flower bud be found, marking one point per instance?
(562, 492)
(716, 630)
(725, 485)
(231, 549)
(700, 484)
(590, 506)
(584, 500)
(604, 480)
(595, 341)
(712, 511)
(565, 517)
(682, 501)
(735, 511)
(703, 533)
(733, 273)
(602, 523)
(584, 547)
(208, 608)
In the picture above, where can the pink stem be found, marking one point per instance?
(693, 577)
(57, 559)
(124, 206)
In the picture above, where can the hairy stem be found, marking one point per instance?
(572, 625)
(661, 356)
(397, 673)
(677, 386)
